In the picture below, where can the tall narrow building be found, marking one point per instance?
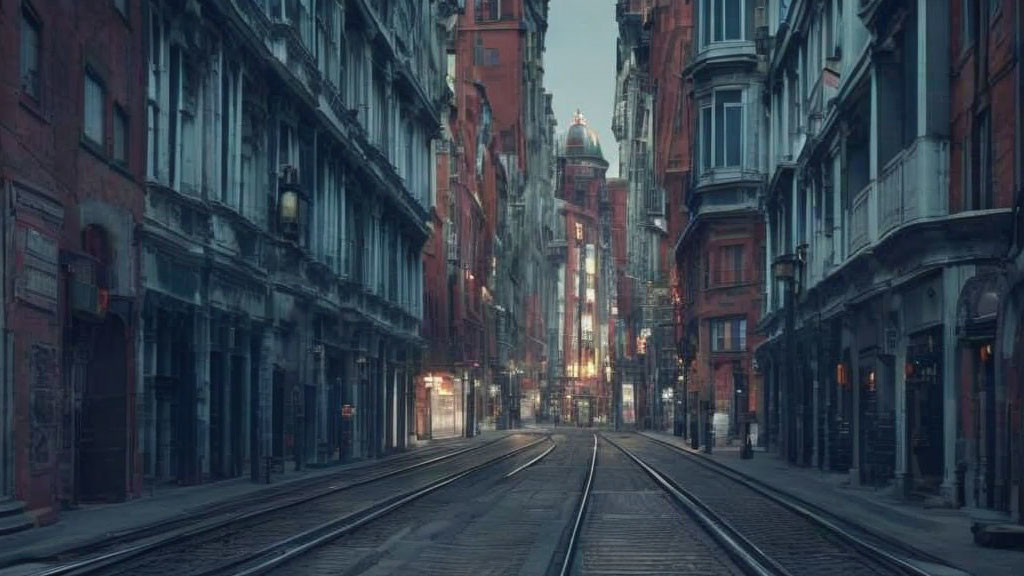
(719, 251)
(499, 181)
(585, 273)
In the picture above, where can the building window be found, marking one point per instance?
(120, 136)
(93, 113)
(722, 130)
(967, 24)
(721, 21)
(729, 271)
(487, 10)
(478, 51)
(122, 7)
(985, 184)
(729, 335)
(30, 49)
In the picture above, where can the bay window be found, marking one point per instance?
(721, 130)
(722, 21)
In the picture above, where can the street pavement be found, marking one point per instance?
(93, 524)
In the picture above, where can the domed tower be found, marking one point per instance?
(583, 231)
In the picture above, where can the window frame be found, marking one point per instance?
(737, 338)
(713, 14)
(90, 74)
(31, 17)
(120, 114)
(712, 113)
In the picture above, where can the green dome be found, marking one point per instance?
(581, 141)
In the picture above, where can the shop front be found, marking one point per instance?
(440, 406)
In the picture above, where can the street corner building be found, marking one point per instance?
(214, 217)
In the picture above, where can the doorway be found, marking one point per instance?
(925, 435)
(103, 435)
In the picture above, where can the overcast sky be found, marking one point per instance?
(580, 67)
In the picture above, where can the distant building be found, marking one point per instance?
(580, 252)
(498, 151)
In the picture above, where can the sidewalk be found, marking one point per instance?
(943, 534)
(91, 525)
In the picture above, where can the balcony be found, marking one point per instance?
(914, 185)
(860, 220)
(729, 52)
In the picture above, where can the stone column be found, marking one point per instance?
(201, 330)
(953, 280)
(265, 418)
(320, 380)
(854, 384)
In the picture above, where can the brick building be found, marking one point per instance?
(719, 248)
(72, 163)
(498, 153)
(581, 252)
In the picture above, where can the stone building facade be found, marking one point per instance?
(288, 187)
(893, 215)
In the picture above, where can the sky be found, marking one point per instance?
(580, 67)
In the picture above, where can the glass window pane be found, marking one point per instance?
(733, 134)
(719, 19)
(733, 18)
(93, 110)
(120, 136)
(706, 137)
(705, 19)
(719, 133)
(29, 56)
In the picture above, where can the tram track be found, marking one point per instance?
(629, 524)
(766, 533)
(505, 520)
(218, 544)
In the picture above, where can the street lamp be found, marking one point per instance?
(786, 269)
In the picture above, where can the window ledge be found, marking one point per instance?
(33, 107)
(94, 148)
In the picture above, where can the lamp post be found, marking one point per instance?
(785, 269)
(579, 303)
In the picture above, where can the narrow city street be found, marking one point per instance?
(526, 287)
(551, 501)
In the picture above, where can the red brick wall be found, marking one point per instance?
(40, 148)
(995, 86)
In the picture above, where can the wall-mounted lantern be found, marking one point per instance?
(291, 202)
